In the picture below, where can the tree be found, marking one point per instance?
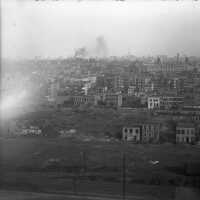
(118, 135)
(49, 130)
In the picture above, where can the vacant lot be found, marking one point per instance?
(18, 152)
(93, 167)
(87, 121)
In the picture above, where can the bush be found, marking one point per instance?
(118, 135)
(108, 134)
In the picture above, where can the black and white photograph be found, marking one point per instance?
(100, 100)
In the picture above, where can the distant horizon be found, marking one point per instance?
(139, 28)
(122, 56)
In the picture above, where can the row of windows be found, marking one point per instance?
(133, 138)
(155, 104)
(185, 131)
(131, 130)
(185, 139)
(81, 99)
(148, 135)
(155, 100)
(196, 117)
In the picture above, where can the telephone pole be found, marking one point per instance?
(124, 176)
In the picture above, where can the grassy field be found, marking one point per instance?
(180, 194)
(86, 121)
(24, 166)
(20, 195)
(35, 151)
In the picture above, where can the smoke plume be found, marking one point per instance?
(101, 47)
(98, 50)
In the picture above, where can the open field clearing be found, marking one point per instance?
(94, 167)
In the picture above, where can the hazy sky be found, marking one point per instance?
(54, 29)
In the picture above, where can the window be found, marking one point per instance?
(131, 130)
(136, 131)
(125, 130)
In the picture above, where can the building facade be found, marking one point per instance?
(185, 133)
(150, 132)
(79, 100)
(168, 102)
(165, 102)
(143, 133)
(153, 102)
(132, 133)
(113, 100)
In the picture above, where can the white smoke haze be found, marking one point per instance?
(81, 52)
(54, 29)
(99, 49)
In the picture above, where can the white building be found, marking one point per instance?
(153, 102)
(32, 130)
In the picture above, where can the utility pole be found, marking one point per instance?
(124, 176)
(83, 168)
(75, 184)
(83, 162)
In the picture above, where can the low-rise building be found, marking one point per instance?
(185, 133)
(78, 100)
(196, 118)
(165, 102)
(113, 100)
(150, 132)
(153, 102)
(132, 133)
(168, 102)
(32, 130)
(131, 90)
(143, 133)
